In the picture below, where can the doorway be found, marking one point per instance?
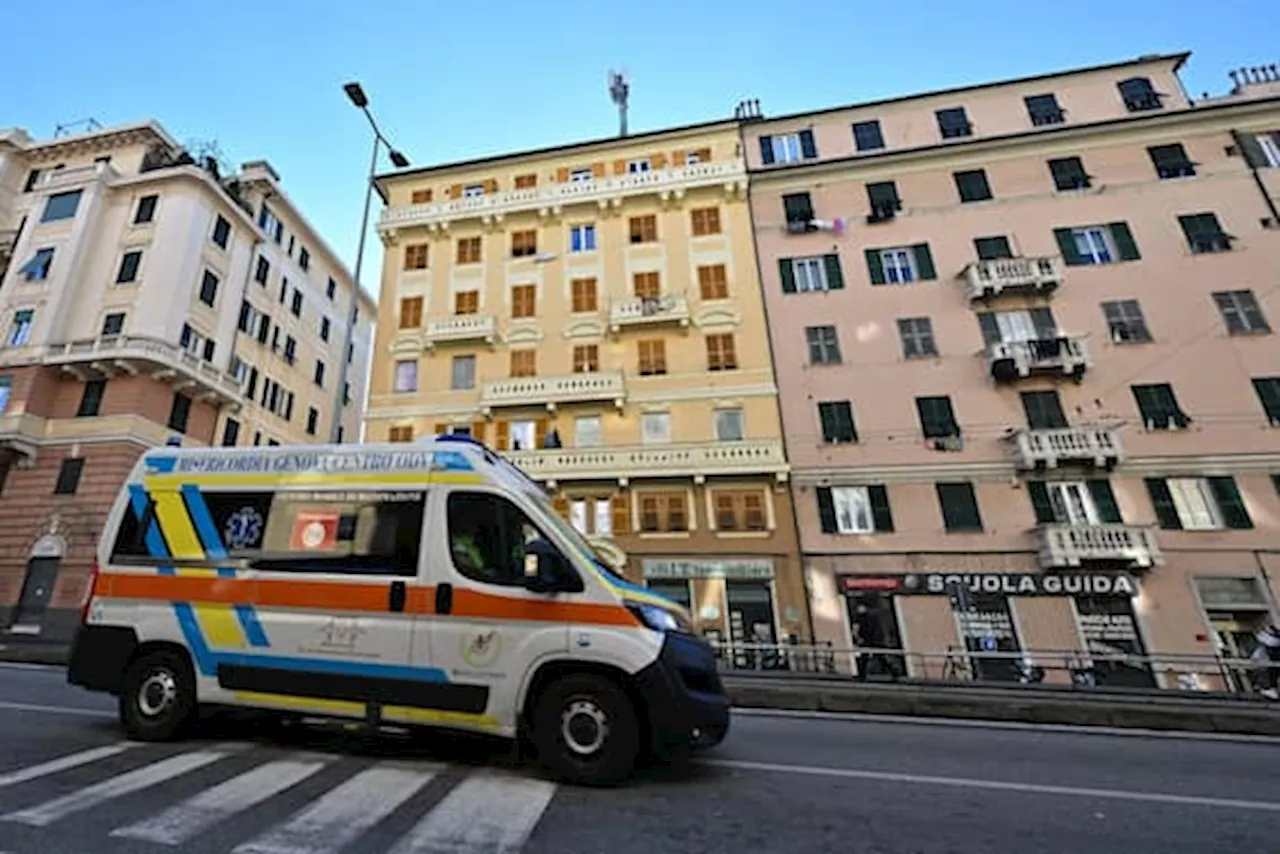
(37, 590)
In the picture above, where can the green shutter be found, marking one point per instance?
(1046, 327)
(1162, 501)
(1067, 246)
(1104, 501)
(880, 510)
(989, 328)
(1252, 151)
(875, 266)
(924, 261)
(845, 417)
(826, 509)
(1230, 502)
(788, 274)
(1040, 503)
(1124, 241)
(835, 276)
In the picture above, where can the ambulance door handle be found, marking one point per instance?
(397, 596)
(444, 598)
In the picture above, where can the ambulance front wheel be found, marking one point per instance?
(158, 696)
(586, 730)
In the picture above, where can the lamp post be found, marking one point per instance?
(357, 97)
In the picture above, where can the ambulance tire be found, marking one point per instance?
(586, 731)
(158, 696)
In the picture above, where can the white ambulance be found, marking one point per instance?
(430, 584)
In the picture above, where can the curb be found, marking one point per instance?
(34, 654)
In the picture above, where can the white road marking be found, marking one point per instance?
(179, 823)
(53, 766)
(486, 813)
(997, 785)
(335, 820)
(124, 784)
(55, 710)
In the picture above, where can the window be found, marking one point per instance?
(867, 136)
(591, 515)
(6, 391)
(271, 224)
(263, 271)
(129, 263)
(146, 210)
(705, 221)
(304, 259)
(798, 210)
(1097, 244)
(916, 334)
(324, 328)
(330, 289)
(406, 377)
(473, 191)
(209, 288)
(883, 200)
(1067, 502)
(900, 265)
(522, 182)
(824, 346)
(179, 412)
(1171, 161)
(721, 355)
(584, 295)
(696, 156)
(318, 375)
(854, 509)
(1204, 233)
(663, 512)
(524, 243)
(836, 417)
(1138, 95)
(1198, 503)
(1262, 150)
(209, 346)
(937, 418)
(586, 431)
(522, 435)
(655, 428)
(713, 282)
(37, 269)
(524, 300)
(1268, 391)
(313, 420)
(1159, 407)
(739, 510)
(69, 476)
(230, 432)
(652, 357)
(464, 373)
(415, 256)
(1044, 110)
(1240, 312)
(20, 331)
(578, 176)
(804, 275)
(91, 398)
(284, 289)
(264, 328)
(61, 206)
(635, 167)
(959, 507)
(788, 147)
(252, 386)
(469, 250)
(410, 312)
(113, 324)
(400, 433)
(953, 123)
(729, 424)
(221, 232)
(295, 306)
(992, 248)
(643, 229)
(582, 238)
(1126, 322)
(972, 185)
(1044, 410)
(586, 358)
(1068, 174)
(524, 363)
(466, 302)
(1036, 324)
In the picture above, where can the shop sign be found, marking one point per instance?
(1001, 583)
(743, 569)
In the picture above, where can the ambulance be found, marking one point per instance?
(430, 583)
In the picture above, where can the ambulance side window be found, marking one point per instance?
(487, 537)
(130, 537)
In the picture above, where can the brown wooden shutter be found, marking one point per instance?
(455, 192)
(678, 158)
(659, 160)
(704, 155)
(477, 430)
(502, 435)
(562, 174)
(441, 429)
(539, 432)
(619, 167)
(597, 169)
(620, 505)
(491, 185)
(561, 505)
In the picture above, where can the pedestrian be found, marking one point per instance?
(1267, 656)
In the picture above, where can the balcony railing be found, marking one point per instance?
(1064, 546)
(648, 311)
(989, 278)
(71, 176)
(460, 328)
(1011, 360)
(1098, 446)
(696, 460)
(557, 195)
(553, 390)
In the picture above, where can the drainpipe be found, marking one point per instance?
(1238, 138)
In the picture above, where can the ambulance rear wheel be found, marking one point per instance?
(159, 696)
(586, 731)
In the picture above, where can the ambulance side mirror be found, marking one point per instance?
(545, 570)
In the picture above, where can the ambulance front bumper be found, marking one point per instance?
(684, 695)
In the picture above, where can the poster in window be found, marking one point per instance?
(315, 530)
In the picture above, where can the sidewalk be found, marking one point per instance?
(33, 652)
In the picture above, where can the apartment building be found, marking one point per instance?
(1029, 384)
(146, 298)
(594, 312)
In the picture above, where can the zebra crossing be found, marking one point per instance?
(487, 810)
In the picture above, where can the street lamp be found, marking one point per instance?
(355, 93)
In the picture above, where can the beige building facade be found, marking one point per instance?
(1029, 383)
(594, 312)
(147, 298)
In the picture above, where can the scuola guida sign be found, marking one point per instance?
(998, 583)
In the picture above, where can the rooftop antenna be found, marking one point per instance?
(619, 89)
(64, 129)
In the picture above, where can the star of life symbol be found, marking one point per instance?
(244, 528)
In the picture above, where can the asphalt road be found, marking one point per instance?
(69, 784)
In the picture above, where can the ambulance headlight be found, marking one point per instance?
(660, 619)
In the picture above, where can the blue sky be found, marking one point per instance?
(451, 81)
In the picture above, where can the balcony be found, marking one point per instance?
(1068, 546)
(627, 462)
(649, 311)
(991, 278)
(461, 328)
(1047, 449)
(1012, 360)
(553, 391)
(552, 198)
(56, 179)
